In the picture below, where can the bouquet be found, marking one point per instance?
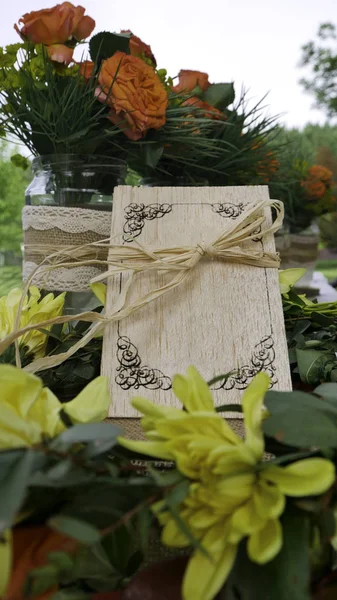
(116, 103)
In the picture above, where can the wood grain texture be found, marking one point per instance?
(224, 318)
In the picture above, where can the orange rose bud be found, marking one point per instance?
(189, 80)
(208, 111)
(31, 546)
(139, 48)
(55, 25)
(134, 93)
(60, 53)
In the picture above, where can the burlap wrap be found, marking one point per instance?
(49, 229)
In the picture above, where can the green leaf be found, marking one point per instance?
(310, 363)
(328, 391)
(73, 528)
(287, 577)
(98, 433)
(15, 469)
(220, 95)
(152, 155)
(105, 44)
(300, 420)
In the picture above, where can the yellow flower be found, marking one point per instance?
(29, 412)
(288, 278)
(34, 311)
(233, 493)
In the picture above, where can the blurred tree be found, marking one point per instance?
(326, 158)
(321, 57)
(13, 181)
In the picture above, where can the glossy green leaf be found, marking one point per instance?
(287, 577)
(300, 420)
(73, 528)
(220, 95)
(15, 470)
(105, 44)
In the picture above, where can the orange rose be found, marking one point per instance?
(139, 48)
(189, 80)
(208, 111)
(135, 94)
(56, 26)
(31, 546)
(86, 68)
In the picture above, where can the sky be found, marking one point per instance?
(255, 43)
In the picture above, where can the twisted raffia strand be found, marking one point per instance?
(183, 259)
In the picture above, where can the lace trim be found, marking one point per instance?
(71, 220)
(66, 280)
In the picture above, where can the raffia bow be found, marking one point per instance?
(135, 258)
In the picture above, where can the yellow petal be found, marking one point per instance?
(245, 521)
(306, 477)
(99, 290)
(172, 535)
(193, 391)
(205, 576)
(252, 402)
(269, 501)
(226, 459)
(288, 278)
(46, 414)
(16, 431)
(19, 389)
(155, 449)
(265, 544)
(92, 404)
(207, 424)
(5, 560)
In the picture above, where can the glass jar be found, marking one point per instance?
(75, 181)
(172, 182)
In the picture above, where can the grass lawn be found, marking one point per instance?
(10, 277)
(328, 268)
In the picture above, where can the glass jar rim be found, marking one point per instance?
(80, 160)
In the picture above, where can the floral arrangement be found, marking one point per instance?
(311, 333)
(80, 511)
(116, 103)
(306, 190)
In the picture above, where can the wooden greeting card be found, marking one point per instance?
(225, 318)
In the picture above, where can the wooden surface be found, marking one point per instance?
(224, 318)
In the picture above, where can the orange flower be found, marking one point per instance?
(208, 111)
(267, 166)
(189, 80)
(31, 546)
(86, 68)
(135, 94)
(56, 25)
(139, 48)
(60, 53)
(317, 182)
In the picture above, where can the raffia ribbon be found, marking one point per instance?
(229, 246)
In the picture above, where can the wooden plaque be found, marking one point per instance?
(223, 318)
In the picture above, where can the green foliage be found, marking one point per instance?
(312, 339)
(285, 577)
(191, 149)
(52, 109)
(10, 277)
(220, 95)
(13, 182)
(103, 45)
(321, 57)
